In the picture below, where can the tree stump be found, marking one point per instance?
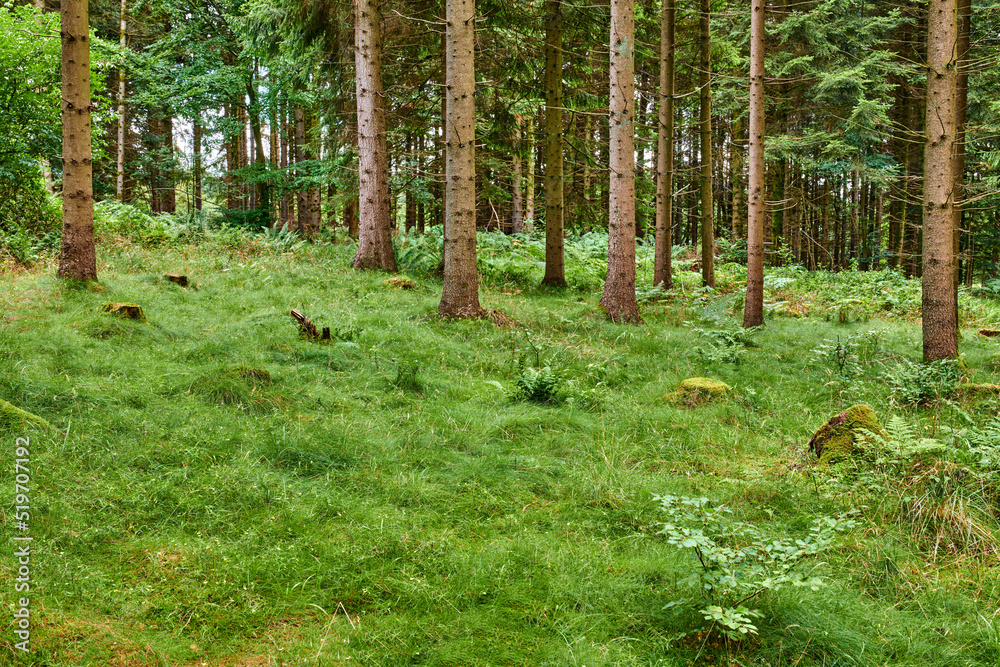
(129, 311)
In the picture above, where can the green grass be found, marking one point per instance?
(224, 492)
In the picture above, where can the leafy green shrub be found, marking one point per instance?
(537, 386)
(253, 220)
(735, 563)
(924, 383)
(115, 219)
(406, 377)
(29, 220)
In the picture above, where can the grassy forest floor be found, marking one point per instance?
(219, 491)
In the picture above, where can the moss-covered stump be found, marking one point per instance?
(698, 390)
(979, 390)
(13, 418)
(399, 283)
(835, 439)
(177, 278)
(128, 311)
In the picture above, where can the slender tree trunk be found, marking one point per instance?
(197, 163)
(555, 270)
(939, 334)
(753, 310)
(517, 178)
(707, 221)
(120, 179)
(529, 199)
(77, 257)
(460, 293)
(168, 197)
(962, 97)
(375, 241)
(284, 207)
(263, 193)
(301, 195)
(662, 244)
(619, 287)
(736, 211)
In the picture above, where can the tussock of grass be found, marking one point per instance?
(224, 492)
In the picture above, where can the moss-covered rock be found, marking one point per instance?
(130, 311)
(14, 418)
(697, 390)
(835, 439)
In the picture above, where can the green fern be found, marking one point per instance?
(537, 386)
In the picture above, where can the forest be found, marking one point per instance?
(500, 333)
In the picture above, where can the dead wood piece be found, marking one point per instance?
(307, 328)
(129, 311)
(501, 319)
(176, 278)
(399, 283)
(989, 333)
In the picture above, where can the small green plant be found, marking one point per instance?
(406, 377)
(924, 383)
(537, 386)
(735, 563)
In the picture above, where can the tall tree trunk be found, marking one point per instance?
(964, 9)
(301, 195)
(77, 257)
(753, 309)
(938, 294)
(284, 206)
(662, 274)
(555, 269)
(517, 179)
(619, 287)
(460, 293)
(529, 199)
(707, 220)
(374, 242)
(120, 176)
(736, 210)
(197, 167)
(262, 191)
(168, 195)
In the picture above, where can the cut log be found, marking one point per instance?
(129, 311)
(175, 278)
(307, 328)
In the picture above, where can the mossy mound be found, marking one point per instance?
(129, 311)
(835, 439)
(13, 418)
(255, 377)
(979, 390)
(697, 390)
(399, 283)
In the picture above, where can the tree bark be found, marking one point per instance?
(460, 293)
(619, 287)
(938, 294)
(120, 177)
(555, 269)
(77, 257)
(707, 220)
(197, 166)
(753, 309)
(663, 240)
(301, 195)
(964, 9)
(517, 179)
(374, 241)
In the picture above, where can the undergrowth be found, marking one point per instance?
(223, 491)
